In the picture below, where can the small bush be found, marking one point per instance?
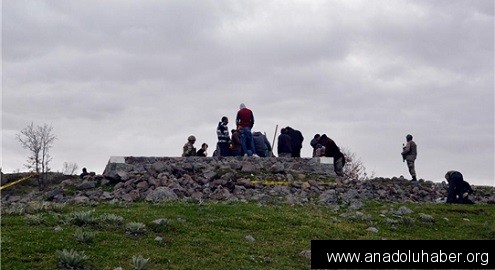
(135, 228)
(83, 218)
(84, 236)
(139, 262)
(15, 209)
(111, 219)
(34, 219)
(71, 259)
(34, 207)
(58, 207)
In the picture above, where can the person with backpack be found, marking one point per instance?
(188, 150)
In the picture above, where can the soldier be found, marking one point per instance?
(409, 153)
(189, 150)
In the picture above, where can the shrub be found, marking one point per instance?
(354, 168)
(111, 219)
(14, 209)
(58, 207)
(34, 219)
(135, 228)
(84, 236)
(139, 262)
(71, 259)
(83, 218)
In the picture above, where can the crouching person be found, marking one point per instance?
(459, 190)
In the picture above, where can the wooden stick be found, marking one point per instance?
(274, 136)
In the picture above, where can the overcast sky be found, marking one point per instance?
(136, 78)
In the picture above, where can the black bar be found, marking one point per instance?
(402, 254)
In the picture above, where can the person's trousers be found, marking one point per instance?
(247, 141)
(338, 165)
(410, 166)
(224, 149)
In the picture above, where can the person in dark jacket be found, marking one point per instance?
(314, 143)
(459, 189)
(261, 144)
(284, 147)
(84, 173)
(223, 137)
(296, 140)
(235, 145)
(202, 151)
(332, 150)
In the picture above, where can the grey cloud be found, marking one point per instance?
(142, 76)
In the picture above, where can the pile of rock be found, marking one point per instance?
(265, 180)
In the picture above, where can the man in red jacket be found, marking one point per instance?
(245, 122)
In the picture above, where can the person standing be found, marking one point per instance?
(223, 137)
(409, 154)
(284, 144)
(296, 140)
(261, 144)
(188, 150)
(235, 145)
(245, 122)
(332, 150)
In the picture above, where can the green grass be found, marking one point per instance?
(213, 235)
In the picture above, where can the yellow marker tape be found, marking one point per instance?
(18, 181)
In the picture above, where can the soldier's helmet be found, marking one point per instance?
(191, 138)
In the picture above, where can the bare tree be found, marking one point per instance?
(69, 168)
(38, 140)
(354, 168)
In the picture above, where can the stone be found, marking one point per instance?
(162, 194)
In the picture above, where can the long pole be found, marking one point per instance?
(274, 136)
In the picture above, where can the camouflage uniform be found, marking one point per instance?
(189, 150)
(409, 154)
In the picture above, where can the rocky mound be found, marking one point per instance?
(264, 180)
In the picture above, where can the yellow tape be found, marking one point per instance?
(17, 181)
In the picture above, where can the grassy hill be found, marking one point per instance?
(216, 235)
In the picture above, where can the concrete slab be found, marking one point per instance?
(326, 160)
(116, 159)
